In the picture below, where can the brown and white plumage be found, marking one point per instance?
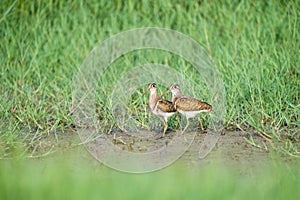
(187, 106)
(159, 106)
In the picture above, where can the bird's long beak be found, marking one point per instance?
(146, 92)
(165, 93)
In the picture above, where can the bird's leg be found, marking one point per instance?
(200, 123)
(165, 128)
(187, 124)
(165, 121)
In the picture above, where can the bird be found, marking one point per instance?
(188, 106)
(159, 106)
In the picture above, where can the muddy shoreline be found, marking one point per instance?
(232, 149)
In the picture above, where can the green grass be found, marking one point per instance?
(255, 46)
(64, 178)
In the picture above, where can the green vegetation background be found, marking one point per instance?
(255, 45)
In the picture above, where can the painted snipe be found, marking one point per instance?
(160, 107)
(187, 106)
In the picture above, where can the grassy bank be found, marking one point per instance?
(255, 46)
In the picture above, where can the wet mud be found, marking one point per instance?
(232, 148)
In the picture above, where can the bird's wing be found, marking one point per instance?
(191, 104)
(165, 105)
